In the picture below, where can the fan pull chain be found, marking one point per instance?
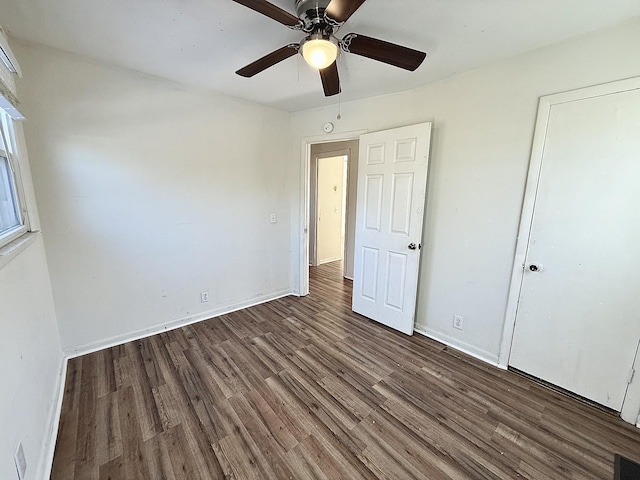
(340, 69)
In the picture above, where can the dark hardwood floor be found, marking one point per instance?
(302, 388)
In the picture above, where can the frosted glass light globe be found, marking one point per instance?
(319, 52)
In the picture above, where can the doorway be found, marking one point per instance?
(387, 197)
(319, 160)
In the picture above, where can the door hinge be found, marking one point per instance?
(632, 372)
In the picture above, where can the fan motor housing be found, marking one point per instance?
(311, 12)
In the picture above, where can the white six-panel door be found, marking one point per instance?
(392, 178)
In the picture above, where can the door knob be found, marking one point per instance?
(535, 268)
(412, 246)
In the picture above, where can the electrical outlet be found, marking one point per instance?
(458, 322)
(21, 461)
(273, 218)
(204, 297)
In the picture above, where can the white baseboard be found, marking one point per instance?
(46, 460)
(165, 327)
(463, 347)
(328, 260)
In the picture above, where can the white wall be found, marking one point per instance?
(151, 193)
(30, 352)
(483, 128)
(30, 359)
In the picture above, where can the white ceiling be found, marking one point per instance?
(203, 42)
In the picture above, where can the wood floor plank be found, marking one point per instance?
(411, 446)
(447, 436)
(202, 402)
(106, 381)
(303, 388)
(113, 470)
(323, 408)
(336, 454)
(157, 452)
(251, 366)
(108, 434)
(253, 349)
(252, 464)
(64, 461)
(272, 421)
(321, 457)
(346, 396)
(303, 464)
(235, 324)
(131, 434)
(148, 415)
(154, 375)
(168, 407)
(175, 446)
(72, 385)
(232, 376)
(86, 465)
(293, 412)
(536, 454)
(201, 440)
(269, 448)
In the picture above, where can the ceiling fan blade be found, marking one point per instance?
(341, 10)
(271, 11)
(386, 52)
(330, 80)
(269, 60)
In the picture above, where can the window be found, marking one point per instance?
(13, 218)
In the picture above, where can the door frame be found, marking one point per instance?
(528, 209)
(305, 182)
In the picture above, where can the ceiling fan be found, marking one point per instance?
(319, 19)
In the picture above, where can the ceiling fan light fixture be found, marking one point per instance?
(320, 51)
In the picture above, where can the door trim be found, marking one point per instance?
(531, 190)
(303, 233)
(631, 404)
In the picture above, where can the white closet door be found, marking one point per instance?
(578, 319)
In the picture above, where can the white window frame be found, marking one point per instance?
(9, 150)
